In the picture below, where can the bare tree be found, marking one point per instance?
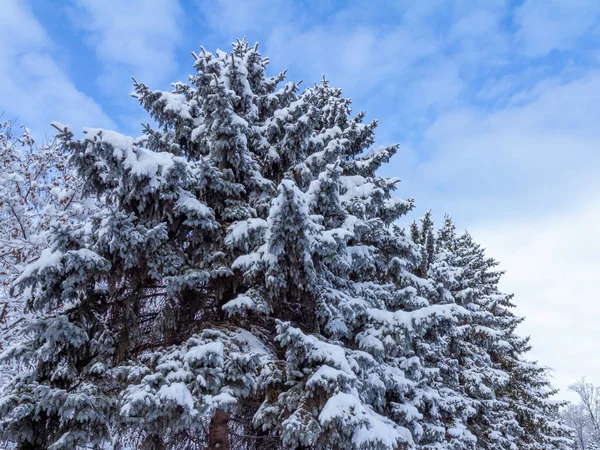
(575, 415)
(584, 417)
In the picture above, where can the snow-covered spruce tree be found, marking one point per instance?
(469, 344)
(510, 396)
(156, 317)
(435, 318)
(330, 395)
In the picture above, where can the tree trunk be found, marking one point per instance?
(218, 433)
(154, 443)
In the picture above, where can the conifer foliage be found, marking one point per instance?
(243, 284)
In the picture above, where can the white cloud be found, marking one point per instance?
(235, 19)
(536, 154)
(552, 267)
(32, 85)
(418, 55)
(546, 25)
(132, 38)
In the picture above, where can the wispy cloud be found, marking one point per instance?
(133, 38)
(527, 158)
(552, 264)
(33, 85)
(545, 25)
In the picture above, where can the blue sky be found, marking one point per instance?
(495, 104)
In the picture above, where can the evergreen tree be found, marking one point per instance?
(509, 395)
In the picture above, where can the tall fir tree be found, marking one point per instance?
(510, 396)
